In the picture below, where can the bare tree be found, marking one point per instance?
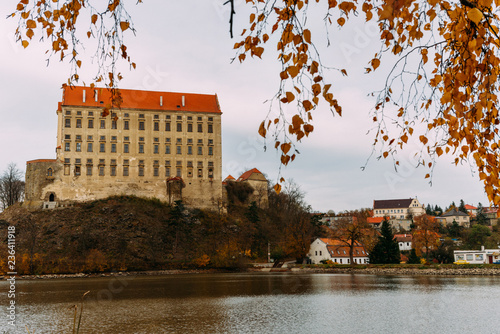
(11, 186)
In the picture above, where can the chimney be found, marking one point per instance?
(183, 101)
(96, 95)
(84, 96)
(161, 101)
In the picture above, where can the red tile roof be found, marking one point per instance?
(41, 160)
(470, 207)
(140, 99)
(403, 237)
(374, 220)
(248, 173)
(336, 242)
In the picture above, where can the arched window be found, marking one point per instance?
(49, 172)
(51, 198)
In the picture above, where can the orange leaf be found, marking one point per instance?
(262, 130)
(375, 63)
(124, 25)
(285, 147)
(307, 35)
(277, 188)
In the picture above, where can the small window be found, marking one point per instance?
(103, 124)
(125, 170)
(126, 115)
(78, 122)
(141, 125)
(156, 149)
(113, 170)
(167, 126)
(68, 112)
(200, 150)
(190, 127)
(89, 170)
(156, 171)
(167, 172)
(179, 149)
(210, 150)
(141, 170)
(77, 170)
(156, 126)
(102, 147)
(126, 138)
(113, 124)
(89, 147)
(113, 148)
(66, 147)
(68, 137)
(179, 172)
(156, 117)
(78, 147)
(179, 127)
(179, 141)
(141, 148)
(156, 139)
(125, 148)
(67, 123)
(179, 118)
(200, 127)
(167, 149)
(49, 172)
(190, 150)
(141, 115)
(126, 125)
(210, 128)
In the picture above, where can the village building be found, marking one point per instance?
(462, 218)
(336, 251)
(157, 144)
(404, 241)
(399, 212)
(478, 256)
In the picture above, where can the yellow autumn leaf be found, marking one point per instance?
(307, 35)
(262, 130)
(25, 43)
(290, 97)
(475, 15)
(285, 147)
(375, 63)
(277, 188)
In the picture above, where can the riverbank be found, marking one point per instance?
(437, 270)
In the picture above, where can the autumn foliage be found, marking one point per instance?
(442, 88)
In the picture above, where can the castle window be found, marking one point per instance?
(190, 150)
(66, 147)
(126, 138)
(125, 125)
(210, 128)
(210, 142)
(210, 150)
(102, 138)
(200, 163)
(167, 149)
(125, 170)
(167, 171)
(200, 141)
(126, 115)
(141, 138)
(78, 137)
(77, 171)
(179, 118)
(141, 170)
(125, 162)
(67, 123)
(89, 170)
(156, 171)
(89, 147)
(200, 172)
(78, 122)
(190, 140)
(179, 172)
(68, 137)
(141, 125)
(156, 126)
(141, 148)
(167, 116)
(141, 115)
(211, 173)
(190, 164)
(167, 140)
(78, 147)
(113, 124)
(167, 126)
(156, 149)
(103, 124)
(156, 117)
(210, 164)
(156, 139)
(113, 171)
(102, 147)
(199, 119)
(200, 150)
(200, 127)
(89, 161)
(49, 172)
(113, 138)
(68, 112)
(190, 127)
(179, 127)
(91, 113)
(101, 170)
(179, 149)
(210, 119)
(79, 113)
(113, 148)
(167, 163)
(125, 148)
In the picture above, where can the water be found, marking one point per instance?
(258, 303)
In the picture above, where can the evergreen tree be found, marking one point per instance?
(462, 206)
(428, 210)
(387, 249)
(413, 258)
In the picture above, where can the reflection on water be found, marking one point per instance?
(260, 303)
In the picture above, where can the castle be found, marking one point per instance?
(157, 144)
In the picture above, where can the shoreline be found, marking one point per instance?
(431, 271)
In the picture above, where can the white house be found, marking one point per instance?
(404, 241)
(478, 256)
(336, 251)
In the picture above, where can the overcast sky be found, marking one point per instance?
(184, 46)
